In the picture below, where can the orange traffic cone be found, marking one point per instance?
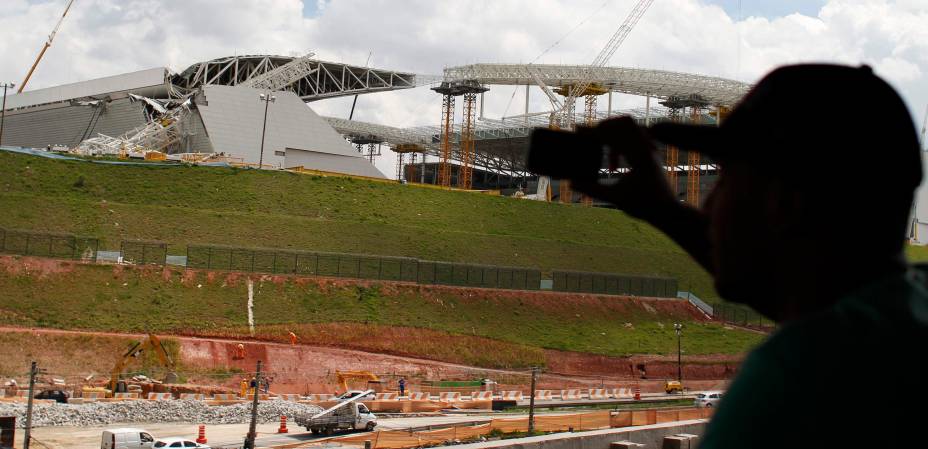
(201, 437)
(637, 392)
(283, 424)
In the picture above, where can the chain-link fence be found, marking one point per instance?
(40, 244)
(614, 284)
(741, 315)
(141, 252)
(361, 267)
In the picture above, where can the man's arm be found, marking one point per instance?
(643, 192)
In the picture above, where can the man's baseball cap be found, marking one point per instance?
(813, 122)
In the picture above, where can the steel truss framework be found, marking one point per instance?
(309, 78)
(501, 145)
(656, 83)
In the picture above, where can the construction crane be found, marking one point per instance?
(583, 87)
(48, 43)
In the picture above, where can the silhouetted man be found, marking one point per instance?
(807, 225)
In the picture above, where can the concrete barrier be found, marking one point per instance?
(597, 394)
(160, 396)
(225, 397)
(648, 436)
(126, 395)
(193, 396)
(544, 395)
(449, 396)
(420, 396)
(320, 397)
(570, 395)
(482, 396)
(621, 393)
(289, 397)
(91, 396)
(387, 397)
(511, 395)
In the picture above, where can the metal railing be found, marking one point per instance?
(614, 284)
(142, 252)
(278, 261)
(741, 315)
(43, 244)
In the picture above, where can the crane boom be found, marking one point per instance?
(605, 55)
(48, 43)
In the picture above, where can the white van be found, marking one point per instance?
(126, 438)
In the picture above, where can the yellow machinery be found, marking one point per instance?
(152, 343)
(342, 377)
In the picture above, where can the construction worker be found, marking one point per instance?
(240, 351)
(253, 386)
(244, 386)
(402, 384)
(292, 338)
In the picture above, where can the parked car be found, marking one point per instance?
(178, 442)
(55, 395)
(708, 399)
(126, 438)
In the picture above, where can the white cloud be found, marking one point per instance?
(104, 37)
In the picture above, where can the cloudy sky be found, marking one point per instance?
(740, 39)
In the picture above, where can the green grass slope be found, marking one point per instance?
(475, 327)
(183, 205)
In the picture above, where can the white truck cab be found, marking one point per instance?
(345, 416)
(126, 438)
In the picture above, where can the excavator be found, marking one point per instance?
(152, 343)
(342, 378)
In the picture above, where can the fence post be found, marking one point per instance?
(187, 255)
(144, 261)
(27, 244)
(274, 267)
(380, 268)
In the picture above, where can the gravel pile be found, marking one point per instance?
(193, 412)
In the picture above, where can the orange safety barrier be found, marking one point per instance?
(193, 396)
(570, 395)
(160, 396)
(224, 397)
(320, 397)
(482, 395)
(511, 395)
(126, 395)
(420, 396)
(289, 397)
(387, 396)
(449, 396)
(400, 439)
(620, 393)
(597, 393)
(544, 395)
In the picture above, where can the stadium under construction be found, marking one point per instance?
(256, 111)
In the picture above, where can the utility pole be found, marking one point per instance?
(252, 428)
(3, 110)
(678, 328)
(531, 403)
(267, 99)
(27, 438)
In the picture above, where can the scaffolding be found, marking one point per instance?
(469, 89)
(678, 106)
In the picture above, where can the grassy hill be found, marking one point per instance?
(474, 327)
(182, 205)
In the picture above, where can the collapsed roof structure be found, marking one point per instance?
(212, 107)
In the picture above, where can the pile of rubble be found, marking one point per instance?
(193, 412)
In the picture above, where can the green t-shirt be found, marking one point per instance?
(846, 377)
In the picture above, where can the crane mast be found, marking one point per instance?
(580, 88)
(48, 43)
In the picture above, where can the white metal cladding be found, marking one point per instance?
(656, 83)
(150, 82)
(233, 118)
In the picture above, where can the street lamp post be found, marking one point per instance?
(3, 109)
(678, 328)
(267, 99)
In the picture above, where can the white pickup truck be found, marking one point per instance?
(347, 415)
